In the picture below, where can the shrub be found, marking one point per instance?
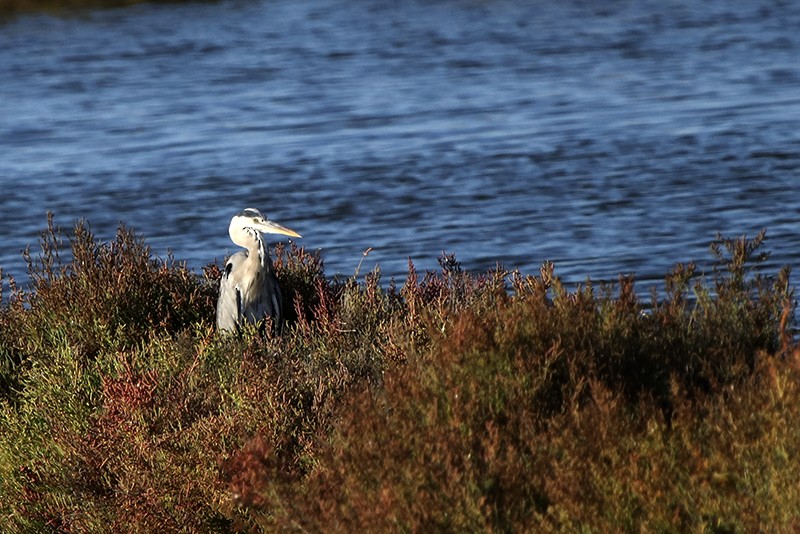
(555, 410)
(457, 402)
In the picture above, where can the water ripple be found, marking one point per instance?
(608, 138)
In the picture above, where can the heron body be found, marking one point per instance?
(248, 290)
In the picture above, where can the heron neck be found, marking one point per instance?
(259, 249)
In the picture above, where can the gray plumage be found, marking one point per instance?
(248, 290)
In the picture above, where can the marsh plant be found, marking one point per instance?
(456, 402)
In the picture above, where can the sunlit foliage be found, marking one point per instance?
(456, 402)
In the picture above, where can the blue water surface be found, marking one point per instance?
(608, 137)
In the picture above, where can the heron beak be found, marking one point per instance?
(269, 227)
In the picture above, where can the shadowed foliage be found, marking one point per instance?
(11, 7)
(457, 402)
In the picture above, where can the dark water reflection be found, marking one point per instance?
(607, 137)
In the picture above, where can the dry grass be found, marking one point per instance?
(496, 402)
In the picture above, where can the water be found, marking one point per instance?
(607, 137)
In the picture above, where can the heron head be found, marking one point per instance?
(252, 218)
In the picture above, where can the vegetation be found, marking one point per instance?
(457, 402)
(10, 7)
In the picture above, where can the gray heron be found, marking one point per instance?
(248, 290)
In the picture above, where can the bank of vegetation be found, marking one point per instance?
(15, 7)
(454, 402)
